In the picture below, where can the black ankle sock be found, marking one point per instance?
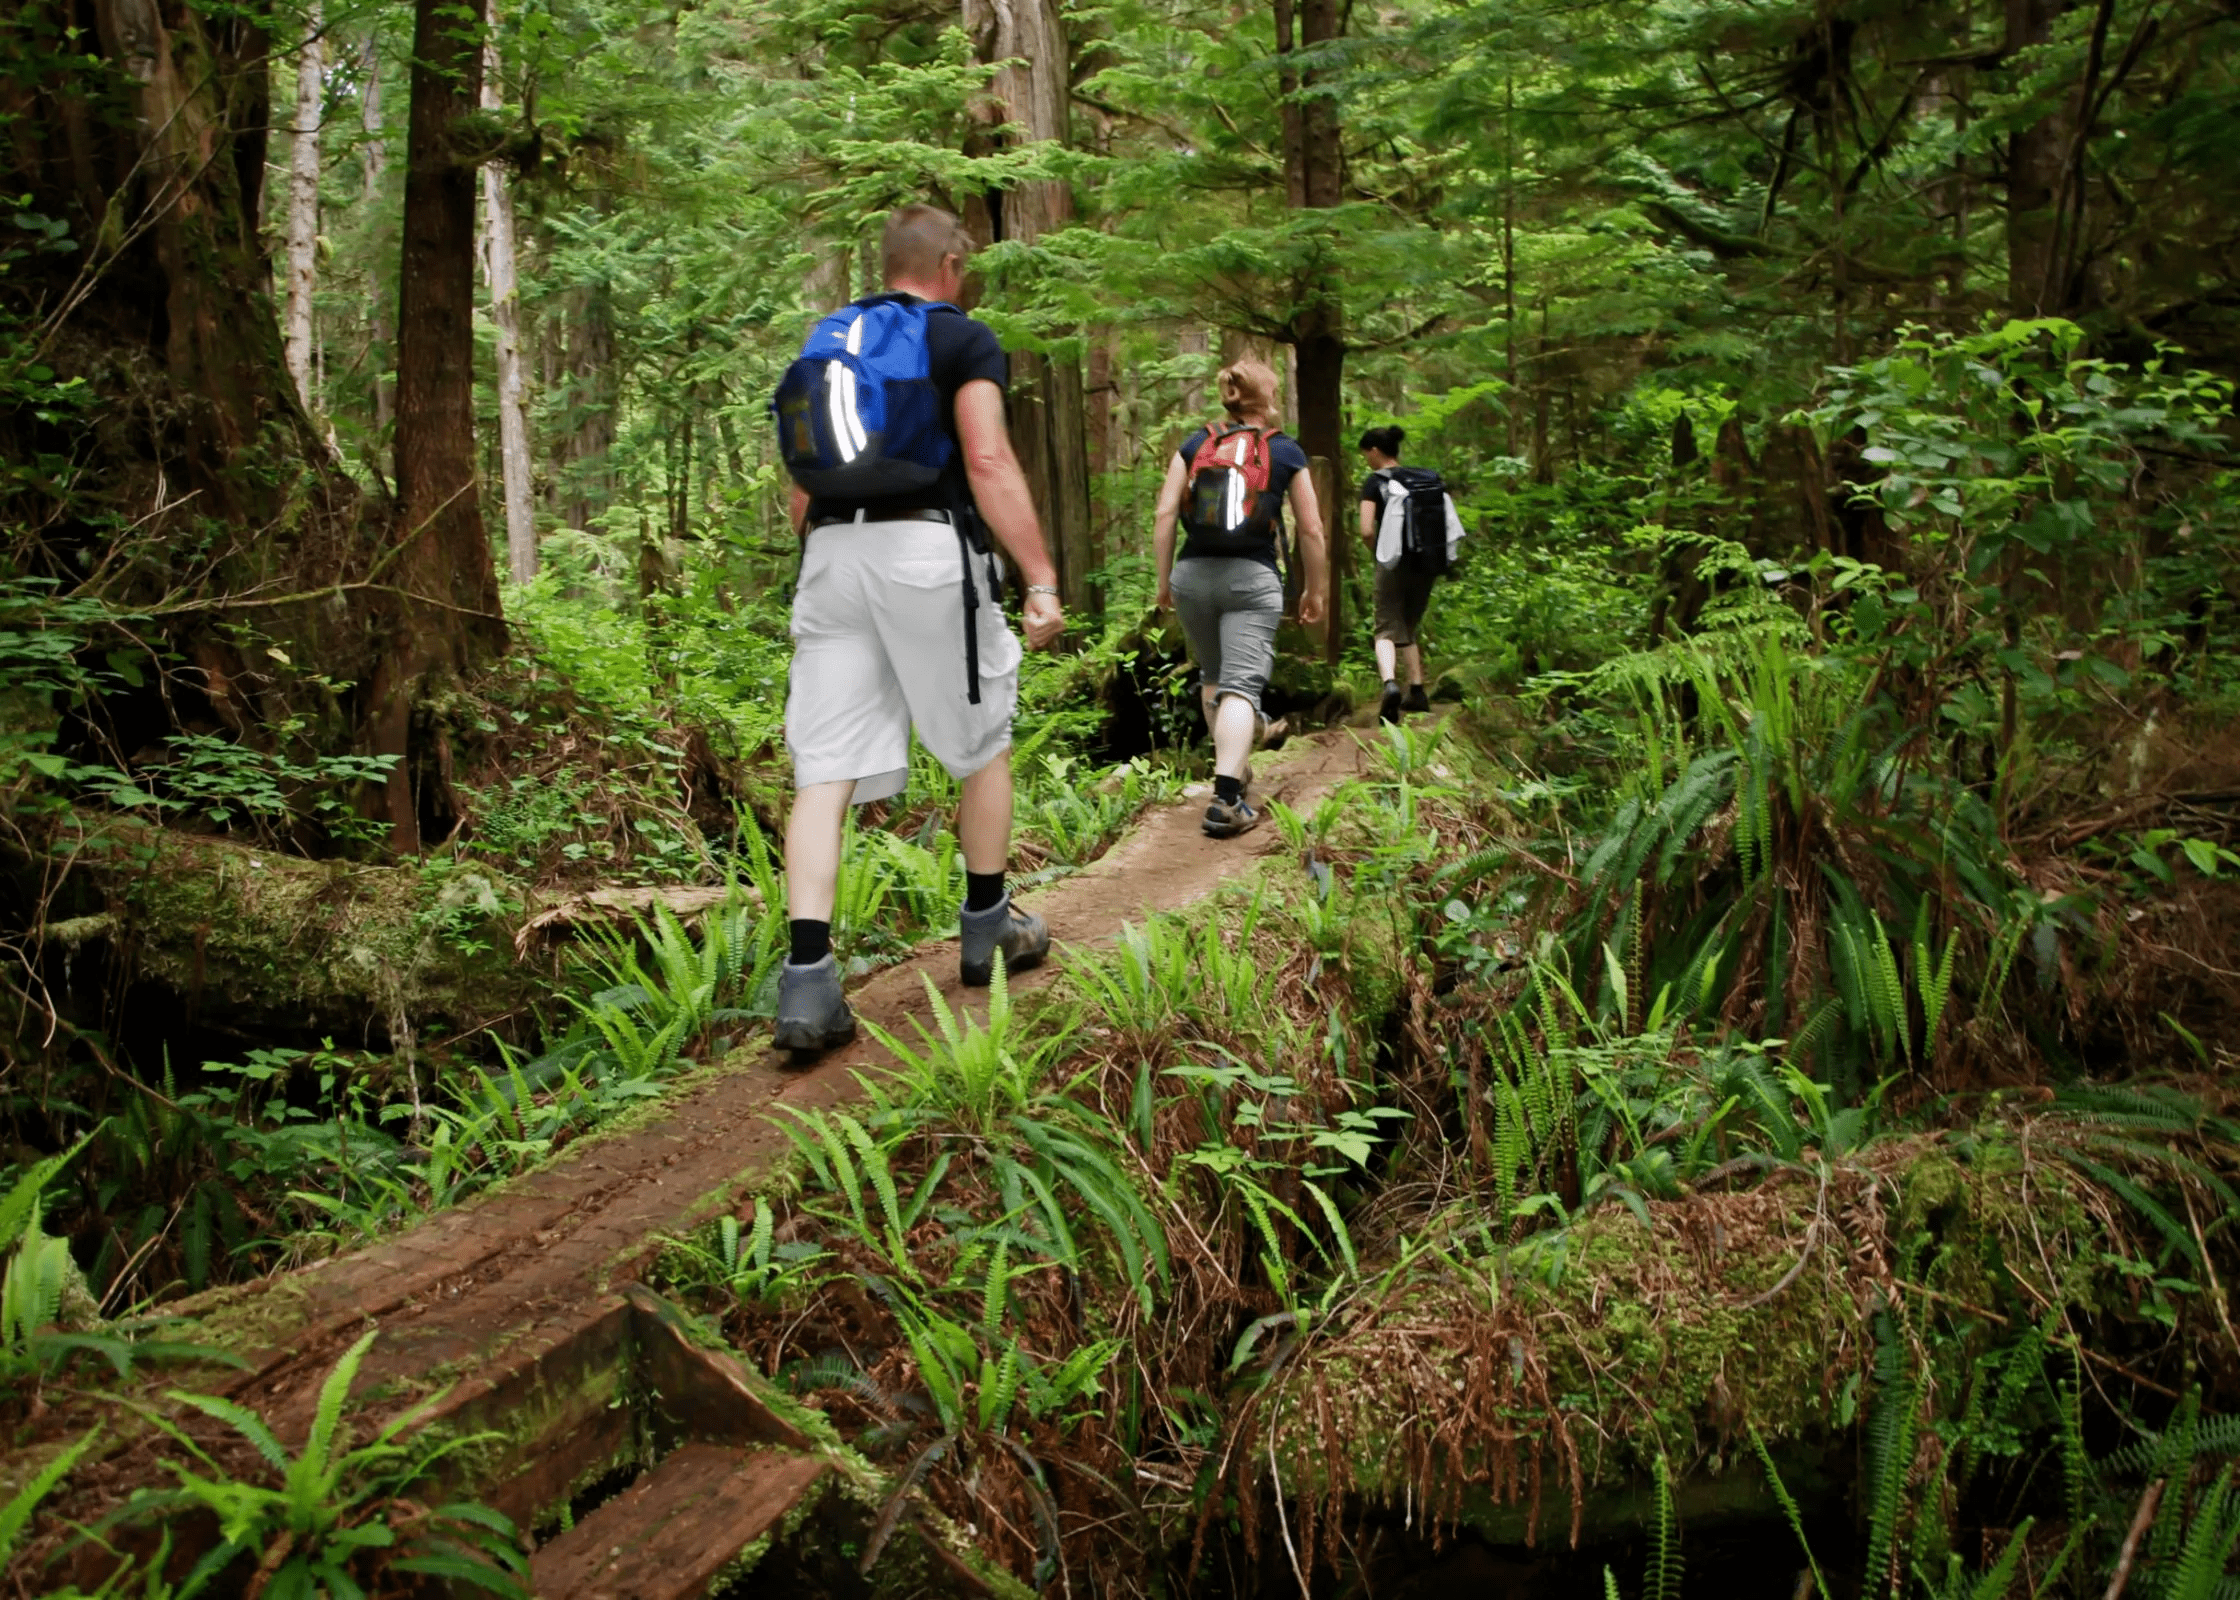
(812, 941)
(1228, 790)
(982, 890)
(1392, 686)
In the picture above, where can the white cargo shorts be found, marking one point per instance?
(878, 648)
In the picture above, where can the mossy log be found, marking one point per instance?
(1527, 1393)
(262, 942)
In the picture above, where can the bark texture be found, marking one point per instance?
(583, 483)
(513, 380)
(445, 615)
(150, 143)
(374, 153)
(1049, 402)
(1314, 180)
(2034, 163)
(303, 202)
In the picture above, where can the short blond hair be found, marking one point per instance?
(917, 239)
(1248, 389)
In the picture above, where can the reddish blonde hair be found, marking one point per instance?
(1248, 389)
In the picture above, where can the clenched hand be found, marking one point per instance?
(1045, 619)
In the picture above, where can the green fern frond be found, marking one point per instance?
(18, 1510)
(996, 1296)
(1891, 1437)
(1663, 1581)
(1789, 1508)
(2210, 1536)
(2211, 1436)
(1995, 1582)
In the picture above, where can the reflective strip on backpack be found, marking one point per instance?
(840, 406)
(1236, 509)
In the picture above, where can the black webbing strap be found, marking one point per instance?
(971, 616)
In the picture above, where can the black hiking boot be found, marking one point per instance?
(1225, 819)
(1021, 935)
(813, 1014)
(1389, 709)
(1416, 699)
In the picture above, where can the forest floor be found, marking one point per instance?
(487, 1294)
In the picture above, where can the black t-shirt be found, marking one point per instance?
(1372, 487)
(958, 351)
(1286, 460)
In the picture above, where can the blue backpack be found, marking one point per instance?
(859, 416)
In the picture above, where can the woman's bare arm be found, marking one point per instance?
(1314, 550)
(1162, 526)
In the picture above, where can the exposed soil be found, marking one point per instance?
(521, 1267)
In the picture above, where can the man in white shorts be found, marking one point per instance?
(895, 625)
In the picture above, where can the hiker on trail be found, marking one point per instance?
(892, 424)
(1227, 484)
(1409, 520)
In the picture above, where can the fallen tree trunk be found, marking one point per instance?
(1528, 1395)
(260, 942)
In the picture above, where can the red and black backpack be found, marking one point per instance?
(1226, 506)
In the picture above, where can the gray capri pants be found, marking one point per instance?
(1230, 606)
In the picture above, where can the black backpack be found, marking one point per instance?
(1423, 524)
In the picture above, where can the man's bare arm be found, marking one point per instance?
(999, 487)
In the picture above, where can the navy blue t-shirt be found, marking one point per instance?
(1286, 460)
(958, 351)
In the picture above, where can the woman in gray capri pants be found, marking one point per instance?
(1227, 590)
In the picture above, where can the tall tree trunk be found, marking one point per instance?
(203, 96)
(375, 154)
(2034, 162)
(1103, 389)
(825, 285)
(303, 202)
(1193, 341)
(150, 141)
(446, 616)
(586, 476)
(1314, 180)
(1509, 263)
(1049, 412)
(513, 381)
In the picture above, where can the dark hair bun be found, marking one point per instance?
(1385, 440)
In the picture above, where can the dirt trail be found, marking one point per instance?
(506, 1272)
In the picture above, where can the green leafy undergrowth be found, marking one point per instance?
(335, 1518)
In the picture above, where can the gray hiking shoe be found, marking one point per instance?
(1225, 819)
(1021, 935)
(813, 1014)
